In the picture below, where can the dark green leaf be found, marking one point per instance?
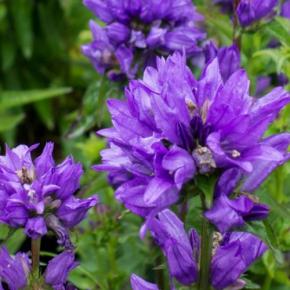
(9, 99)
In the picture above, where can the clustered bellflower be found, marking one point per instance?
(58, 269)
(285, 10)
(136, 31)
(249, 11)
(233, 253)
(15, 270)
(172, 127)
(39, 195)
(228, 57)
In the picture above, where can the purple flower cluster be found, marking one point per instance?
(285, 10)
(39, 195)
(15, 271)
(137, 31)
(249, 11)
(171, 128)
(233, 253)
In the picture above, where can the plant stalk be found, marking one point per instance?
(205, 255)
(237, 37)
(35, 251)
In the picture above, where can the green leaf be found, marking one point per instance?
(278, 208)
(22, 17)
(7, 54)
(8, 122)
(4, 232)
(45, 113)
(10, 99)
(206, 184)
(250, 284)
(15, 240)
(271, 234)
(280, 28)
(93, 111)
(270, 263)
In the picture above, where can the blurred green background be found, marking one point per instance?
(49, 91)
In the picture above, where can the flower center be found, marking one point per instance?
(204, 159)
(252, 197)
(191, 107)
(235, 154)
(217, 238)
(25, 175)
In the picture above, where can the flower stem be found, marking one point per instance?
(205, 243)
(159, 272)
(237, 37)
(267, 283)
(35, 250)
(205, 255)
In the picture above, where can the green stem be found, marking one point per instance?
(206, 244)
(35, 251)
(159, 273)
(205, 255)
(237, 37)
(267, 283)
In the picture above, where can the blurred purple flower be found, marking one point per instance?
(138, 283)
(285, 9)
(172, 127)
(14, 271)
(58, 269)
(225, 5)
(250, 11)
(262, 84)
(136, 31)
(32, 191)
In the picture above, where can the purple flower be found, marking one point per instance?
(263, 168)
(250, 11)
(233, 257)
(226, 5)
(228, 57)
(32, 191)
(245, 207)
(73, 210)
(58, 268)
(172, 127)
(227, 213)
(285, 10)
(168, 231)
(238, 210)
(138, 283)
(14, 271)
(263, 83)
(233, 253)
(136, 31)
